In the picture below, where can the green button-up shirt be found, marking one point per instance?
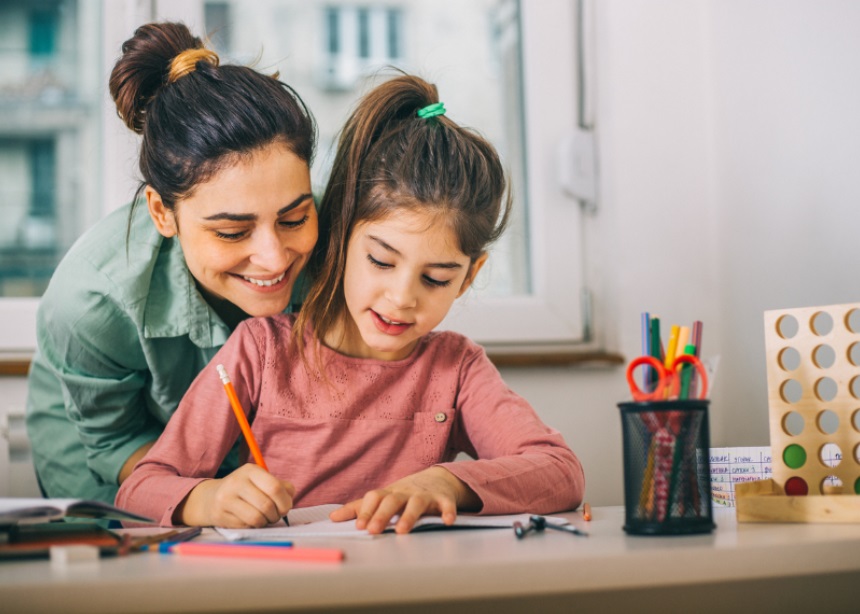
(122, 332)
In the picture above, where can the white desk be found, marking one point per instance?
(747, 567)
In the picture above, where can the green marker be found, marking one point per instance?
(687, 373)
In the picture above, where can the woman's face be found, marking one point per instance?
(247, 232)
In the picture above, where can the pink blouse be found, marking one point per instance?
(363, 425)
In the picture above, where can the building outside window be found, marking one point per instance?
(49, 161)
(66, 160)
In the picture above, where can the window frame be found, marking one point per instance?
(552, 316)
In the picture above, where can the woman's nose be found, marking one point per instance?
(269, 252)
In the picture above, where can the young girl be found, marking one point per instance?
(358, 401)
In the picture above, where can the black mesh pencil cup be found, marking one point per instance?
(666, 468)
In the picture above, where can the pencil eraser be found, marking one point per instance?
(63, 556)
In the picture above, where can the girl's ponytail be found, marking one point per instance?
(392, 157)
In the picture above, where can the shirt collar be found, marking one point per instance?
(175, 307)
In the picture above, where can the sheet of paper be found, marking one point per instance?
(732, 465)
(314, 522)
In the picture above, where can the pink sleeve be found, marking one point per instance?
(198, 436)
(522, 465)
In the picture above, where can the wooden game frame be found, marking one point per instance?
(807, 384)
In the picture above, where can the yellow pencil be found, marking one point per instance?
(673, 345)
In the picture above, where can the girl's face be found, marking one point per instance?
(246, 233)
(402, 275)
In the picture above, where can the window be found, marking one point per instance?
(358, 40)
(502, 68)
(216, 16)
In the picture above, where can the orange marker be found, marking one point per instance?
(318, 555)
(240, 416)
(586, 511)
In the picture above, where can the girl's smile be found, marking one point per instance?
(389, 326)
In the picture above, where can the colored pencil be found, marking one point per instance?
(241, 418)
(243, 422)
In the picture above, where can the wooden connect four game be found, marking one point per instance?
(813, 377)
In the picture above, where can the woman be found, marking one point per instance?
(144, 299)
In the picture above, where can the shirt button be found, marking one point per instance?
(441, 417)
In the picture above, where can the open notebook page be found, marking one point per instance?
(314, 522)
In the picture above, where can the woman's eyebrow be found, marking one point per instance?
(432, 265)
(250, 217)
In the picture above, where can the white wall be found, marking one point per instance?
(17, 476)
(729, 137)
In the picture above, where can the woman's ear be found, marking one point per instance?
(162, 217)
(473, 272)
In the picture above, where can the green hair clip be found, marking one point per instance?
(432, 110)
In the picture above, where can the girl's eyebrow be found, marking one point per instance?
(250, 217)
(432, 265)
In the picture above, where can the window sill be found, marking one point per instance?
(14, 367)
(19, 365)
(594, 358)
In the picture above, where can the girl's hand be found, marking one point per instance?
(248, 497)
(434, 490)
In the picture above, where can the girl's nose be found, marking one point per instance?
(401, 294)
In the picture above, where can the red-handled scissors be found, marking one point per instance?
(667, 379)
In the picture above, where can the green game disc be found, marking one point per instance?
(794, 456)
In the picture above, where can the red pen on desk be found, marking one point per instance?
(317, 555)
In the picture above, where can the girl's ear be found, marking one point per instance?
(162, 217)
(473, 272)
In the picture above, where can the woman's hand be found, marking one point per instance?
(434, 490)
(248, 497)
(129, 464)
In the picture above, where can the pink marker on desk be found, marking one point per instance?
(317, 555)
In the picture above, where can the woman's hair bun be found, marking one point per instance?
(145, 66)
(186, 62)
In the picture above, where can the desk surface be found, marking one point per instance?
(764, 567)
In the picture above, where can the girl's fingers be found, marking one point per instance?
(255, 497)
(415, 508)
(448, 510)
(347, 512)
(390, 505)
(369, 506)
(283, 497)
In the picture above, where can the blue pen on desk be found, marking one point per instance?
(256, 543)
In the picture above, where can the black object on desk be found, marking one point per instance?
(539, 523)
(34, 541)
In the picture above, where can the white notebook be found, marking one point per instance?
(314, 522)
